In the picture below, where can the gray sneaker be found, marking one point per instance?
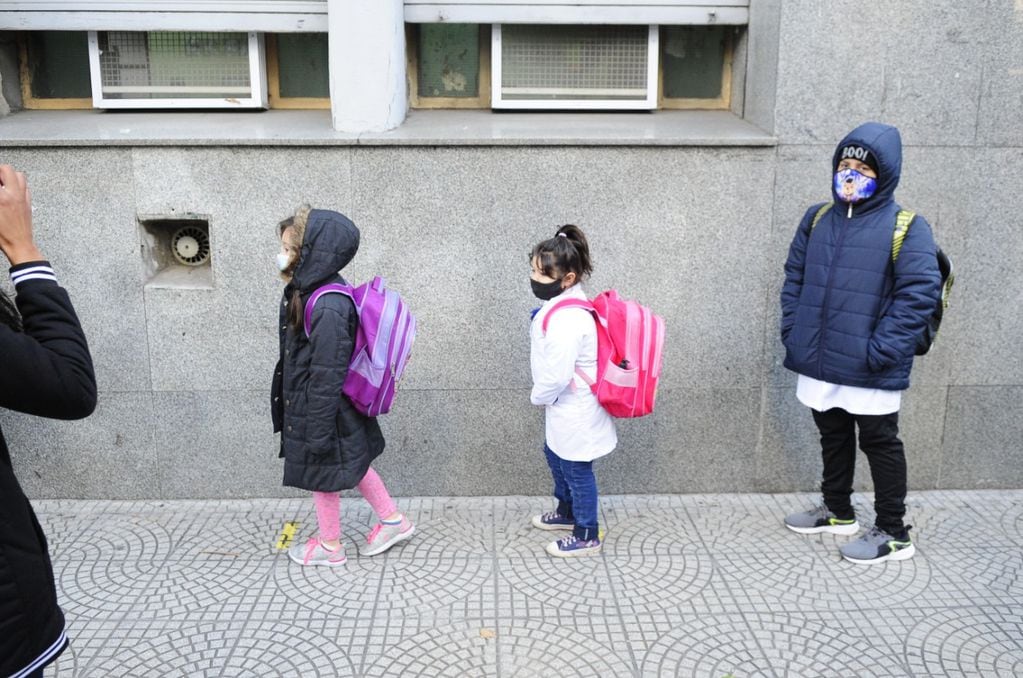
(877, 546)
(313, 552)
(820, 519)
(387, 534)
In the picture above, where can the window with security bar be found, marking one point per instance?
(601, 67)
(177, 69)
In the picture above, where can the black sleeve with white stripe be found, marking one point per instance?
(47, 369)
(32, 270)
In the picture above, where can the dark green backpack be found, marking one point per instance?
(902, 222)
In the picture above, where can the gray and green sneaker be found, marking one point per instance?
(877, 546)
(820, 519)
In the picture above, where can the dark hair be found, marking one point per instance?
(9, 313)
(567, 252)
(297, 222)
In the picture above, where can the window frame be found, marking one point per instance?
(483, 98)
(29, 100)
(649, 103)
(722, 102)
(273, 82)
(256, 100)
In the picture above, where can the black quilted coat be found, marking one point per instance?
(326, 443)
(46, 370)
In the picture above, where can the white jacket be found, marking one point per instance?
(578, 428)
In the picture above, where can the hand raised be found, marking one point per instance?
(16, 217)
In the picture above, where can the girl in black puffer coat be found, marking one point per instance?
(327, 445)
(47, 371)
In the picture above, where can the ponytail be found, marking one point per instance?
(567, 252)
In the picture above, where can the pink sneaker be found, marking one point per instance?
(386, 534)
(315, 553)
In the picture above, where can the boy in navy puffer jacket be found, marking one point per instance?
(851, 317)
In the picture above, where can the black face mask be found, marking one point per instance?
(546, 291)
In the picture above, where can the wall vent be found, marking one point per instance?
(176, 251)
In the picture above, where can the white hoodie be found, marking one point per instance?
(577, 428)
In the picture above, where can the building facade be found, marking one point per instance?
(687, 139)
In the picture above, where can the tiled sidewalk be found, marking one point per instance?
(708, 585)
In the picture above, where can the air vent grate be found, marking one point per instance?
(190, 246)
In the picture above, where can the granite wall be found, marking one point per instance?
(699, 233)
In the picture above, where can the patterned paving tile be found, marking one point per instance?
(973, 642)
(686, 585)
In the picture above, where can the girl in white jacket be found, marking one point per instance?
(578, 429)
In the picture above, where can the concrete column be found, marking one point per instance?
(367, 64)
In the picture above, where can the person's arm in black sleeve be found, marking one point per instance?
(47, 370)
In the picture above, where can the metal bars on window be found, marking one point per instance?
(177, 69)
(574, 67)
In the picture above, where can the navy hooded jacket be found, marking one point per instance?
(849, 315)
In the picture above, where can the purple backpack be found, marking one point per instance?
(383, 343)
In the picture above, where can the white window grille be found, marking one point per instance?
(574, 67)
(177, 69)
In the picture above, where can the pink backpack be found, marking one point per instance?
(383, 343)
(630, 340)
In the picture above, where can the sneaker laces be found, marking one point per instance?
(549, 516)
(565, 542)
(820, 510)
(310, 548)
(876, 531)
(374, 532)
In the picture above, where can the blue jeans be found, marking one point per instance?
(575, 488)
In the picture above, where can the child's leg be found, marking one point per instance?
(324, 549)
(393, 527)
(372, 488)
(328, 515)
(562, 489)
(879, 440)
(838, 450)
(580, 478)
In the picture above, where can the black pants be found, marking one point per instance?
(879, 440)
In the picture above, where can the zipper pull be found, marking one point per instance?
(849, 214)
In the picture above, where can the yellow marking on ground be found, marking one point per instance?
(287, 535)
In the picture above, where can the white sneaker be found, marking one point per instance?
(386, 534)
(313, 552)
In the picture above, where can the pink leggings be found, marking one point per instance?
(328, 505)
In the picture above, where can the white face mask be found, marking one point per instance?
(283, 261)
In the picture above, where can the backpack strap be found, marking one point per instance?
(573, 303)
(820, 214)
(902, 221)
(566, 303)
(332, 288)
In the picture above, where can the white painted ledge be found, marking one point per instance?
(421, 128)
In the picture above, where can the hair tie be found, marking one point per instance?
(562, 235)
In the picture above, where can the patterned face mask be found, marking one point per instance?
(853, 187)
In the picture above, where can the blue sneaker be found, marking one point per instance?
(877, 546)
(573, 547)
(553, 521)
